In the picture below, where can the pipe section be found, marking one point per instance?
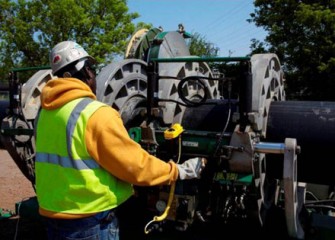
(313, 125)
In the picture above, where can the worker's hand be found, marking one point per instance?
(191, 168)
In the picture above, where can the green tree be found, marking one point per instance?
(258, 46)
(199, 46)
(302, 34)
(29, 29)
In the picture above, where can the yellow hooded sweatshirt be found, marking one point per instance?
(108, 141)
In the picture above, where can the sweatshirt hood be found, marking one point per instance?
(60, 91)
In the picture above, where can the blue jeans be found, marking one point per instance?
(102, 226)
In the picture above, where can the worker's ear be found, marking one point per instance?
(91, 81)
(67, 75)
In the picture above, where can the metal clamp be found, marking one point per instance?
(294, 194)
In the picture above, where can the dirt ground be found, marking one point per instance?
(15, 189)
(14, 186)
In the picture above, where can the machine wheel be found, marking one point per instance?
(21, 147)
(121, 82)
(31, 92)
(267, 86)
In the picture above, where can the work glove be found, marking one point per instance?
(191, 168)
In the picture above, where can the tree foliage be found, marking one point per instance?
(302, 34)
(29, 29)
(199, 46)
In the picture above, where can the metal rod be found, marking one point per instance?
(202, 59)
(30, 68)
(267, 147)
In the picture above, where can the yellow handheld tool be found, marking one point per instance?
(170, 133)
(173, 131)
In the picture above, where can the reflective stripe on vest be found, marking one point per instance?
(69, 162)
(72, 122)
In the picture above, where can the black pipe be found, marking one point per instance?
(210, 117)
(313, 125)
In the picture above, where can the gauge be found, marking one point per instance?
(160, 205)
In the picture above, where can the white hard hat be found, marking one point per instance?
(65, 53)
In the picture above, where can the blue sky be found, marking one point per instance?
(221, 22)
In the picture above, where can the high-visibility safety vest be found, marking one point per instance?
(68, 180)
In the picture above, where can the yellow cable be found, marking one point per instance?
(170, 199)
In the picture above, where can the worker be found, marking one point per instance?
(86, 163)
